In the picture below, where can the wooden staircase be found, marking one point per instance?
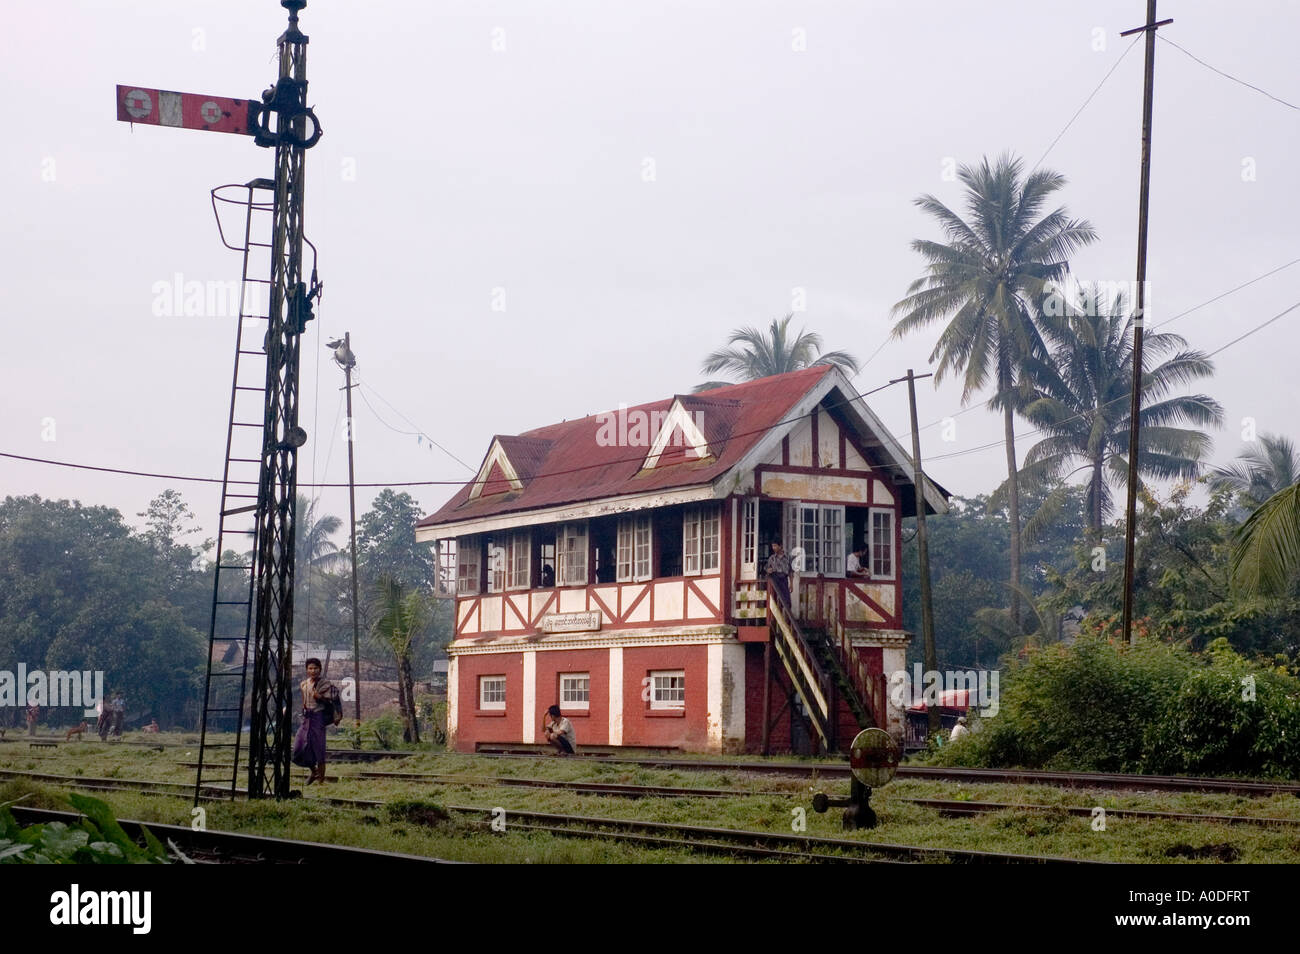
(822, 673)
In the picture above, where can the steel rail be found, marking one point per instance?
(693, 837)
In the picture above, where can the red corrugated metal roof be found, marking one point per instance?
(568, 463)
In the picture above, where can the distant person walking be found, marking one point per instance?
(959, 730)
(777, 569)
(559, 732)
(318, 700)
(33, 716)
(101, 720)
(119, 715)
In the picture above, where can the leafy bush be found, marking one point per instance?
(1230, 718)
(97, 839)
(1100, 705)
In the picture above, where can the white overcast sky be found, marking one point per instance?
(450, 168)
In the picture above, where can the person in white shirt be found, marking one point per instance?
(959, 730)
(559, 732)
(854, 566)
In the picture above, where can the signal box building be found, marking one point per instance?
(614, 565)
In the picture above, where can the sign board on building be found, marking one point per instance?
(571, 622)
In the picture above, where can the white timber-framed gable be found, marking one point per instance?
(694, 445)
(496, 457)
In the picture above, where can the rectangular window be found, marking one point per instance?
(575, 690)
(571, 543)
(518, 565)
(810, 537)
(668, 689)
(818, 531)
(882, 544)
(700, 533)
(496, 557)
(634, 548)
(832, 541)
(467, 566)
(749, 539)
(492, 692)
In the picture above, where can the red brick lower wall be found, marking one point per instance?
(590, 725)
(474, 725)
(685, 728)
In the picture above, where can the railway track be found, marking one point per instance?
(956, 807)
(830, 770)
(706, 840)
(225, 847)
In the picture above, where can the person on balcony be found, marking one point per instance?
(777, 569)
(854, 566)
(548, 576)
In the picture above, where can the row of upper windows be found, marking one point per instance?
(665, 689)
(679, 541)
(673, 542)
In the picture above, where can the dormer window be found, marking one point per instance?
(681, 438)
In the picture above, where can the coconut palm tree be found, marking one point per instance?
(1262, 470)
(313, 546)
(1266, 552)
(314, 554)
(1079, 396)
(984, 281)
(751, 354)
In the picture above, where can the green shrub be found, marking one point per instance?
(1100, 705)
(1229, 719)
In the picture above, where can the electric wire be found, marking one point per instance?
(1227, 75)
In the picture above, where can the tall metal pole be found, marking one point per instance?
(270, 714)
(922, 549)
(352, 513)
(1139, 317)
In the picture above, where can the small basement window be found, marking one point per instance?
(668, 689)
(492, 693)
(575, 690)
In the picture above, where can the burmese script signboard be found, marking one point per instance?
(571, 622)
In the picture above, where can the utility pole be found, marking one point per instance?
(1139, 318)
(922, 547)
(346, 360)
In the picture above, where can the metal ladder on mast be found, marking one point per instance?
(234, 581)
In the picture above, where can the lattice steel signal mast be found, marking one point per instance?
(261, 622)
(296, 130)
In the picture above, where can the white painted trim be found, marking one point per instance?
(713, 697)
(496, 454)
(733, 718)
(586, 510)
(696, 445)
(530, 696)
(453, 701)
(637, 638)
(616, 695)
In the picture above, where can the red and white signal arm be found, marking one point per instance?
(163, 107)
